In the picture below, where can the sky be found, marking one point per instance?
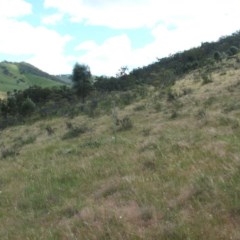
(108, 34)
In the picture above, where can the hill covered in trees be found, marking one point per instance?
(166, 71)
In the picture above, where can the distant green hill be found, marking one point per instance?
(65, 78)
(23, 75)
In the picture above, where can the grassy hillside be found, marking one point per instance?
(168, 169)
(22, 75)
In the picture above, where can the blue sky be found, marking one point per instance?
(107, 34)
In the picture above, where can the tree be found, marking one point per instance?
(232, 50)
(81, 77)
(217, 56)
(28, 107)
(122, 72)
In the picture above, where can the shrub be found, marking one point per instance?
(146, 132)
(75, 132)
(124, 124)
(140, 107)
(209, 101)
(232, 106)
(174, 114)
(146, 214)
(201, 114)
(158, 106)
(187, 91)
(206, 78)
(91, 108)
(232, 50)
(227, 121)
(170, 96)
(49, 130)
(20, 142)
(126, 98)
(217, 56)
(7, 152)
(28, 107)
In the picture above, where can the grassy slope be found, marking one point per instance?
(174, 175)
(16, 80)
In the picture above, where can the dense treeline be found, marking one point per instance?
(36, 101)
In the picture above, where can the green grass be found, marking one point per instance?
(16, 80)
(40, 81)
(163, 178)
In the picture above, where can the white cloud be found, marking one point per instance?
(14, 8)
(114, 14)
(18, 38)
(86, 46)
(106, 58)
(73, 8)
(22, 38)
(53, 63)
(52, 19)
(142, 13)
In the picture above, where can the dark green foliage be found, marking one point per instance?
(217, 56)
(40, 96)
(28, 107)
(107, 84)
(3, 108)
(233, 50)
(12, 105)
(36, 102)
(81, 80)
(5, 70)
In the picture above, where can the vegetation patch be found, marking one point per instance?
(124, 124)
(75, 132)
